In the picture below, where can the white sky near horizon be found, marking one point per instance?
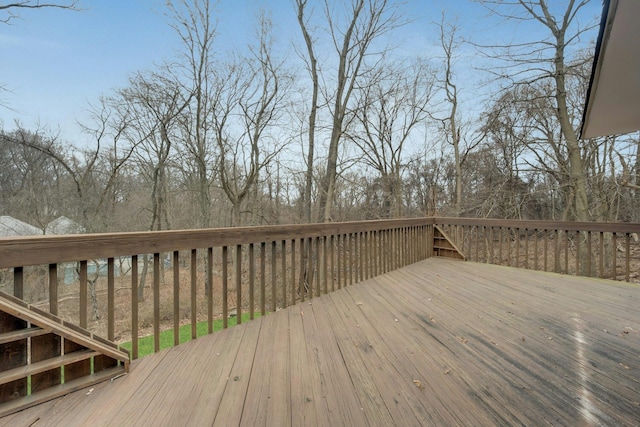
(56, 63)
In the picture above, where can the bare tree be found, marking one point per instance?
(546, 59)
(312, 66)
(152, 104)
(352, 39)
(390, 105)
(451, 125)
(246, 103)
(195, 26)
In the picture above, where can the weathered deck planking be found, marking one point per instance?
(440, 342)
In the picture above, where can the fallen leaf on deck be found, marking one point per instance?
(418, 384)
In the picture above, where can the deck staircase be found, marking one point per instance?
(443, 246)
(43, 357)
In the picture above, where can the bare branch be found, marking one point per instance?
(11, 8)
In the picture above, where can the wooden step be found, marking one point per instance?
(45, 365)
(60, 390)
(21, 334)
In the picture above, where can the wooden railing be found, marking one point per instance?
(127, 285)
(605, 250)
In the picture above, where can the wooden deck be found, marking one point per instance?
(440, 342)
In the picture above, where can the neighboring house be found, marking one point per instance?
(64, 225)
(11, 227)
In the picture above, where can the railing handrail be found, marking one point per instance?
(41, 250)
(606, 227)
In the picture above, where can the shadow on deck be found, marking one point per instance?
(439, 342)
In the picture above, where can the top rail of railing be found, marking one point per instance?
(606, 227)
(40, 250)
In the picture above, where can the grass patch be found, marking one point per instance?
(145, 344)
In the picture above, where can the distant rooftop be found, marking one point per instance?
(64, 225)
(10, 226)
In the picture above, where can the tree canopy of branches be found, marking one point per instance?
(205, 138)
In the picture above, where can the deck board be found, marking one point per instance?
(440, 342)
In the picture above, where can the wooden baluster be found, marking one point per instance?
(491, 246)
(156, 302)
(517, 244)
(614, 255)
(358, 257)
(176, 297)
(601, 254)
(283, 259)
(500, 247)
(546, 241)
(134, 306)
(345, 244)
(308, 280)
(263, 279)
(566, 251)
(324, 264)
(274, 276)
(627, 256)
(252, 281)
(194, 296)
(225, 287)
(293, 272)
(526, 248)
(332, 254)
(53, 289)
(84, 294)
(556, 252)
(111, 291)
(18, 282)
(209, 290)
(238, 284)
(589, 254)
(376, 252)
(535, 249)
(577, 253)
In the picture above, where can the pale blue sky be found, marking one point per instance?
(54, 63)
